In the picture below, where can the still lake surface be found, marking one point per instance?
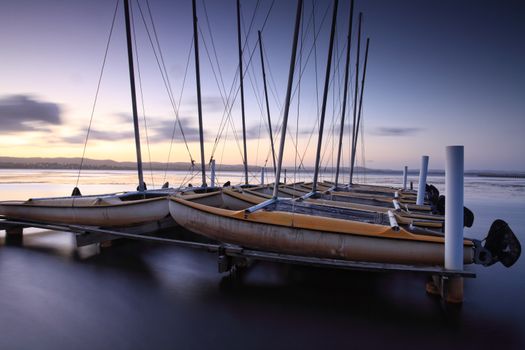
(138, 295)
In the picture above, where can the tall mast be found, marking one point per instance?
(325, 97)
(345, 92)
(354, 147)
(266, 98)
(352, 160)
(199, 101)
(287, 99)
(242, 91)
(141, 186)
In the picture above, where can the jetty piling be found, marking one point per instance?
(405, 174)
(454, 201)
(422, 181)
(212, 173)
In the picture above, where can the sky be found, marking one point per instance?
(439, 73)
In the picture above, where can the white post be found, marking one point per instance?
(454, 172)
(405, 174)
(262, 175)
(454, 208)
(213, 173)
(422, 181)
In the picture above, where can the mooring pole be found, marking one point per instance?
(345, 93)
(262, 175)
(213, 173)
(266, 99)
(356, 89)
(127, 16)
(354, 148)
(325, 97)
(242, 92)
(405, 176)
(422, 181)
(287, 99)
(454, 201)
(199, 101)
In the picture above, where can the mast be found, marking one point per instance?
(355, 98)
(242, 92)
(354, 147)
(287, 99)
(325, 97)
(199, 101)
(266, 98)
(141, 186)
(345, 93)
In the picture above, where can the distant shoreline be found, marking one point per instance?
(94, 164)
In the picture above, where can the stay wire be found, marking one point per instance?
(97, 92)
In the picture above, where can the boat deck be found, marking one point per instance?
(330, 212)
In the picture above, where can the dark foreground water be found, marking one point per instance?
(138, 295)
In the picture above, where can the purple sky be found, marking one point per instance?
(439, 73)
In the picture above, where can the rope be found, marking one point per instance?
(142, 96)
(97, 91)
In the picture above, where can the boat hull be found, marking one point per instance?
(116, 214)
(289, 239)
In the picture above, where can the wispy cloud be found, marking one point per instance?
(395, 131)
(26, 113)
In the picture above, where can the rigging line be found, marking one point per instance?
(97, 91)
(165, 81)
(213, 44)
(296, 85)
(227, 113)
(175, 123)
(227, 107)
(237, 71)
(141, 94)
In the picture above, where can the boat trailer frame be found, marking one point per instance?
(230, 256)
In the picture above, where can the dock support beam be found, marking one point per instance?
(422, 181)
(405, 175)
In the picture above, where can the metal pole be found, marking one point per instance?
(213, 173)
(422, 181)
(287, 99)
(262, 175)
(345, 92)
(266, 98)
(325, 97)
(405, 175)
(141, 186)
(454, 172)
(199, 101)
(356, 89)
(354, 147)
(241, 73)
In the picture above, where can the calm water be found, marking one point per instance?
(139, 295)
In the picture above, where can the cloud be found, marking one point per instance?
(163, 131)
(99, 135)
(25, 113)
(394, 131)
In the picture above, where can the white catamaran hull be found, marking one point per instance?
(94, 212)
(309, 242)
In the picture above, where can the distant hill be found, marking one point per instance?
(108, 164)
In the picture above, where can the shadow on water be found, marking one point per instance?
(145, 295)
